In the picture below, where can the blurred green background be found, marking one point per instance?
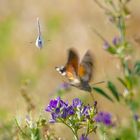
(66, 24)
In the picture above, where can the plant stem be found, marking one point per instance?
(87, 132)
(23, 133)
(75, 136)
(121, 27)
(72, 129)
(135, 127)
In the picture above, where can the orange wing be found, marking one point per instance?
(86, 67)
(72, 64)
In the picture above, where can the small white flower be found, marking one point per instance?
(126, 92)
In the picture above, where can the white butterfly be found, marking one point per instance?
(39, 40)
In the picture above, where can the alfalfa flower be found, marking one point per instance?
(136, 117)
(116, 41)
(77, 102)
(84, 137)
(106, 45)
(53, 105)
(104, 118)
(65, 86)
(75, 115)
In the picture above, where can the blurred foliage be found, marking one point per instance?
(54, 24)
(6, 27)
(124, 90)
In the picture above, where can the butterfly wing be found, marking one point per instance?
(86, 67)
(72, 64)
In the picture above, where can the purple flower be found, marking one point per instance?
(63, 104)
(83, 137)
(64, 113)
(70, 110)
(136, 117)
(52, 121)
(95, 103)
(67, 111)
(106, 45)
(116, 41)
(75, 112)
(65, 86)
(107, 119)
(77, 103)
(59, 109)
(85, 111)
(104, 117)
(53, 105)
(54, 116)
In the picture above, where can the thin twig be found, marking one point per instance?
(20, 128)
(101, 6)
(99, 35)
(99, 82)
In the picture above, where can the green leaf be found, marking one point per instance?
(100, 91)
(127, 70)
(137, 68)
(112, 50)
(114, 91)
(122, 82)
(129, 81)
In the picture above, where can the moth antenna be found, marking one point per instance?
(101, 82)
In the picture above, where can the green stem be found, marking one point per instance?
(135, 127)
(113, 6)
(72, 129)
(87, 132)
(75, 136)
(103, 136)
(121, 26)
(102, 133)
(20, 128)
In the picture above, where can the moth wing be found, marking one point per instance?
(86, 67)
(72, 64)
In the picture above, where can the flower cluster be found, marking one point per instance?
(104, 118)
(59, 109)
(62, 110)
(83, 137)
(65, 86)
(62, 89)
(136, 117)
(75, 115)
(116, 47)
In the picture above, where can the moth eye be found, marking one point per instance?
(61, 70)
(57, 69)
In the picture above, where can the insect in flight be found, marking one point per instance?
(78, 73)
(39, 40)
